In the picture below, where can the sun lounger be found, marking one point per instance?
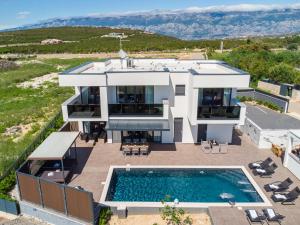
(215, 149)
(288, 197)
(278, 185)
(266, 172)
(223, 148)
(254, 217)
(135, 150)
(260, 164)
(272, 216)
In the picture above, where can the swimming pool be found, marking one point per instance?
(192, 185)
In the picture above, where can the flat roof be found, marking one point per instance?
(137, 125)
(54, 147)
(269, 119)
(198, 67)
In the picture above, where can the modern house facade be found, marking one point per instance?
(161, 100)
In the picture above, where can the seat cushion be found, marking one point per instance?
(271, 213)
(253, 213)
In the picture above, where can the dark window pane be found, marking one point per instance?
(180, 90)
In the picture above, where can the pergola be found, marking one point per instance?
(55, 147)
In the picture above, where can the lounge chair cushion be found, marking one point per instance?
(255, 164)
(273, 186)
(280, 197)
(253, 214)
(271, 213)
(261, 170)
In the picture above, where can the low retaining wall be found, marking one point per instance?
(47, 215)
(281, 102)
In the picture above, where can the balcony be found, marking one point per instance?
(135, 109)
(218, 112)
(84, 110)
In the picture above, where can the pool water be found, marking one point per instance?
(186, 185)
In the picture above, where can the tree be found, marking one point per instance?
(292, 47)
(173, 215)
(283, 73)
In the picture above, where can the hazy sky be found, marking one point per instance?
(19, 12)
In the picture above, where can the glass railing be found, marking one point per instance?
(84, 111)
(135, 109)
(218, 112)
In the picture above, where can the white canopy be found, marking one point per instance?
(55, 146)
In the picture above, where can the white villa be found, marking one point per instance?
(161, 100)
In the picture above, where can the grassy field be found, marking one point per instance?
(89, 40)
(29, 108)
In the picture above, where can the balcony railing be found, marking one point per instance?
(218, 112)
(135, 109)
(84, 111)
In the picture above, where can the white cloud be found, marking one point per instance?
(23, 15)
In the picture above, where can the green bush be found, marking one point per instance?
(292, 47)
(104, 216)
(6, 185)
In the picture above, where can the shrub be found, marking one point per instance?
(173, 215)
(292, 47)
(6, 185)
(104, 216)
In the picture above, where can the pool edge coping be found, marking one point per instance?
(265, 203)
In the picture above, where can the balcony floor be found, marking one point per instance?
(94, 162)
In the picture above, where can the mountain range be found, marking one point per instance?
(195, 23)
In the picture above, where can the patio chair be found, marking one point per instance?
(266, 172)
(223, 148)
(144, 149)
(126, 150)
(254, 217)
(260, 164)
(205, 146)
(272, 216)
(278, 185)
(215, 149)
(288, 197)
(135, 150)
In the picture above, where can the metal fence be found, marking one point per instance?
(58, 197)
(281, 102)
(36, 142)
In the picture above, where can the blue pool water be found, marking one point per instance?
(186, 185)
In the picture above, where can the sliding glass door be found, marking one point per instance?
(135, 94)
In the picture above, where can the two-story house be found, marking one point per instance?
(161, 100)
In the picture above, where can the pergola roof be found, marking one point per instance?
(137, 125)
(55, 146)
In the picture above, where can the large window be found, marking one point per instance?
(135, 94)
(90, 95)
(141, 136)
(214, 96)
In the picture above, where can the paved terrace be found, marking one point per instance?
(94, 163)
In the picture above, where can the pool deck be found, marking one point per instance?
(94, 163)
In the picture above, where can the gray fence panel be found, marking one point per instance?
(12, 207)
(259, 95)
(9, 207)
(2, 205)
